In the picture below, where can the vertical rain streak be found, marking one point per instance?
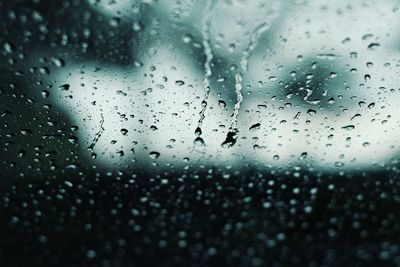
(97, 136)
(207, 69)
(244, 61)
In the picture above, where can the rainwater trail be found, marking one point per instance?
(97, 136)
(246, 54)
(207, 70)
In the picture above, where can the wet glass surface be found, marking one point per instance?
(199, 133)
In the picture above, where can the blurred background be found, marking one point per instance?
(199, 133)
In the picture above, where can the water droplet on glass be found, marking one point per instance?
(65, 87)
(154, 154)
(373, 46)
(230, 139)
(72, 139)
(179, 83)
(348, 127)
(255, 127)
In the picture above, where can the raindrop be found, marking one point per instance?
(348, 127)
(198, 131)
(58, 62)
(230, 139)
(65, 87)
(45, 93)
(373, 46)
(72, 139)
(199, 142)
(179, 83)
(311, 112)
(154, 154)
(26, 132)
(356, 116)
(339, 164)
(255, 127)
